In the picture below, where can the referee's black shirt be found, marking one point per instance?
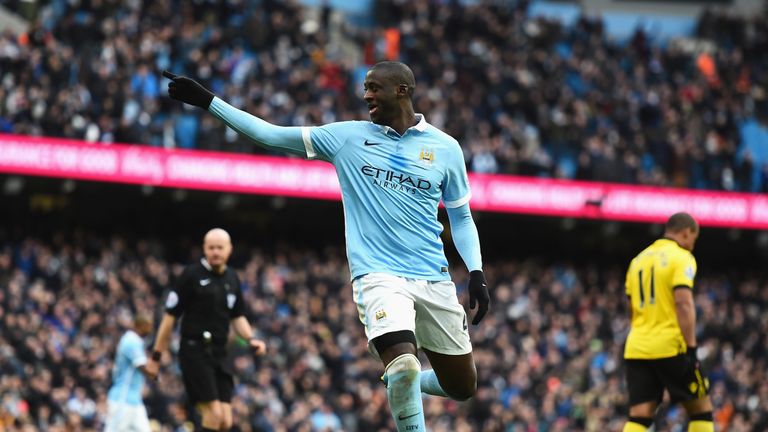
(206, 301)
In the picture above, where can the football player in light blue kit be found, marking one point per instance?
(394, 170)
(125, 410)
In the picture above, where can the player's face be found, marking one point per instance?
(688, 239)
(217, 251)
(382, 99)
(144, 328)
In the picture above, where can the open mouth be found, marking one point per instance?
(372, 109)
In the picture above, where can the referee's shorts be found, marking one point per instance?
(647, 380)
(203, 371)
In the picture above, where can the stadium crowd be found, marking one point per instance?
(548, 355)
(523, 95)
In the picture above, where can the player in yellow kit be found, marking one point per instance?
(661, 346)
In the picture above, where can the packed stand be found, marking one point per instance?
(523, 95)
(548, 355)
(531, 97)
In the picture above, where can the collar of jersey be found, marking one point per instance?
(669, 240)
(421, 126)
(207, 266)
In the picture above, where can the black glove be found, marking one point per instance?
(700, 385)
(693, 359)
(478, 295)
(187, 90)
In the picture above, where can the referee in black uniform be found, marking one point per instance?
(208, 299)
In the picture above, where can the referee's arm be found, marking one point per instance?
(163, 339)
(164, 334)
(243, 329)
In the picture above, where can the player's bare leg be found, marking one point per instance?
(456, 374)
(226, 416)
(211, 414)
(401, 369)
(699, 415)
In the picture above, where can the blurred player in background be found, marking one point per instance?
(125, 407)
(394, 170)
(208, 299)
(661, 346)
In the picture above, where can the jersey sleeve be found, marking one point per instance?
(290, 139)
(324, 142)
(685, 271)
(465, 237)
(175, 301)
(238, 309)
(134, 351)
(456, 191)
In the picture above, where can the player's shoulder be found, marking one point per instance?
(442, 136)
(345, 131)
(445, 147)
(651, 248)
(686, 258)
(636, 260)
(681, 253)
(348, 125)
(130, 338)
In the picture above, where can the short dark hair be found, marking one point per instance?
(397, 73)
(142, 318)
(680, 221)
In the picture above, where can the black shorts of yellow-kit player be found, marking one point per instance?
(647, 379)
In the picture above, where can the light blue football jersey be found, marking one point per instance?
(127, 379)
(391, 187)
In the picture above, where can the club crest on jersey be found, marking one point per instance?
(381, 314)
(426, 157)
(690, 272)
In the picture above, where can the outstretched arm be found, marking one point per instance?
(467, 241)
(290, 139)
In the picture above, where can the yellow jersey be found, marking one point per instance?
(650, 283)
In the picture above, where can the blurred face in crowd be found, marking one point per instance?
(217, 246)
